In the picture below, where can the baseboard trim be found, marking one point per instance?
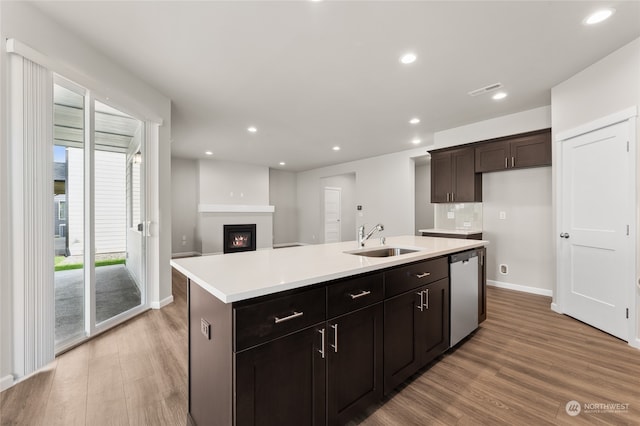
(522, 288)
(185, 254)
(635, 343)
(6, 382)
(164, 302)
(555, 308)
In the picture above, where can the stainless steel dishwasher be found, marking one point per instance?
(463, 272)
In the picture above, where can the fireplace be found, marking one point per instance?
(239, 238)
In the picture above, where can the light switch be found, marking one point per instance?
(503, 215)
(205, 328)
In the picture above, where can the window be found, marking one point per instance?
(62, 210)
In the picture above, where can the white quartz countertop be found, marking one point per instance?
(239, 276)
(452, 231)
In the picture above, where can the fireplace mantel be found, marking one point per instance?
(234, 208)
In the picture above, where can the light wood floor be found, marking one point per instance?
(520, 368)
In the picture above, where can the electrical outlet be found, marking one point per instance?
(451, 215)
(503, 215)
(504, 269)
(205, 328)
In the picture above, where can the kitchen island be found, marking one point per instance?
(313, 334)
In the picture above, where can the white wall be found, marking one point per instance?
(507, 191)
(283, 196)
(384, 188)
(506, 125)
(523, 240)
(225, 182)
(606, 87)
(424, 208)
(91, 69)
(347, 184)
(184, 204)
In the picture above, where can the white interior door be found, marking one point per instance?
(332, 214)
(596, 250)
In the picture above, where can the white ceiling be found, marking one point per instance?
(311, 75)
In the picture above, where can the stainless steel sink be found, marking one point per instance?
(382, 252)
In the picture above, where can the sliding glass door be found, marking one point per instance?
(99, 211)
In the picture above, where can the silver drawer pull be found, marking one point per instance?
(362, 293)
(290, 317)
(422, 275)
(335, 338)
(321, 350)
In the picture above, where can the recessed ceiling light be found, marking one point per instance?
(414, 120)
(252, 129)
(208, 152)
(282, 163)
(408, 58)
(336, 148)
(499, 95)
(598, 16)
(416, 141)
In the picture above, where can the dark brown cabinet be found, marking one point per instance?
(354, 355)
(315, 356)
(453, 176)
(416, 322)
(482, 285)
(282, 382)
(531, 149)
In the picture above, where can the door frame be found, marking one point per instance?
(633, 287)
(324, 211)
(91, 329)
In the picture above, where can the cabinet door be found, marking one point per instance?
(402, 323)
(531, 151)
(282, 382)
(467, 185)
(441, 177)
(354, 355)
(435, 314)
(492, 156)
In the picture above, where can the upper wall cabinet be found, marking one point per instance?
(453, 176)
(531, 149)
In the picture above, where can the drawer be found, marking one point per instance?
(352, 294)
(263, 321)
(408, 277)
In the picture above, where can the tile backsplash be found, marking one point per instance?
(458, 216)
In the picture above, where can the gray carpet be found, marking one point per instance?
(116, 292)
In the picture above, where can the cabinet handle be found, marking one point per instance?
(506, 164)
(321, 350)
(426, 292)
(335, 338)
(447, 197)
(290, 317)
(362, 293)
(421, 304)
(422, 275)
(513, 161)
(453, 197)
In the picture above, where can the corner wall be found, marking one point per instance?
(184, 200)
(525, 196)
(384, 189)
(282, 195)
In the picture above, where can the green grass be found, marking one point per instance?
(81, 265)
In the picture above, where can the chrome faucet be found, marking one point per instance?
(362, 237)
